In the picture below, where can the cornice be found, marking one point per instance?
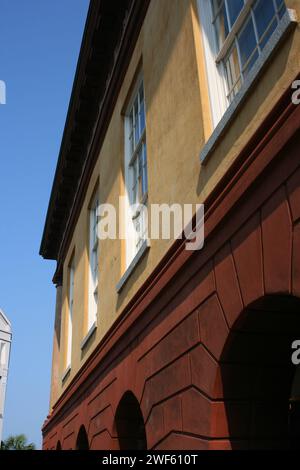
(108, 41)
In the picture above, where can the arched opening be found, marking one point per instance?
(259, 378)
(58, 446)
(82, 442)
(130, 424)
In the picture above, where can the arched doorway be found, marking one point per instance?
(258, 376)
(82, 442)
(58, 446)
(130, 424)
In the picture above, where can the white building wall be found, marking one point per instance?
(5, 345)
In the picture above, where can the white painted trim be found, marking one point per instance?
(92, 284)
(130, 234)
(140, 254)
(129, 227)
(6, 320)
(66, 373)
(138, 81)
(71, 276)
(215, 74)
(6, 340)
(88, 335)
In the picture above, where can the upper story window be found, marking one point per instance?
(136, 172)
(2, 354)
(69, 325)
(93, 262)
(235, 34)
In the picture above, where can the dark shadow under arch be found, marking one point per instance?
(82, 442)
(258, 376)
(130, 424)
(58, 446)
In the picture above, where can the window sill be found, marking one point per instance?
(66, 374)
(88, 335)
(140, 254)
(287, 22)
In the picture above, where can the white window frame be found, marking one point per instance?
(69, 325)
(93, 258)
(3, 354)
(134, 211)
(213, 57)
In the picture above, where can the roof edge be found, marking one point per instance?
(7, 321)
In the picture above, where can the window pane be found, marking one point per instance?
(233, 73)
(280, 3)
(2, 354)
(282, 11)
(131, 122)
(268, 33)
(136, 184)
(138, 231)
(94, 227)
(134, 181)
(281, 8)
(247, 42)
(141, 93)
(131, 147)
(144, 171)
(234, 9)
(216, 5)
(93, 265)
(251, 62)
(142, 117)
(140, 175)
(136, 122)
(134, 194)
(221, 27)
(266, 22)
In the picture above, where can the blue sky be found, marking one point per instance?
(39, 47)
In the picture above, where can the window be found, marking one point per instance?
(235, 35)
(69, 325)
(136, 173)
(2, 354)
(93, 263)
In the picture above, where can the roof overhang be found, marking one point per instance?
(5, 324)
(110, 35)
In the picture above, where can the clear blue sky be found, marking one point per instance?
(39, 47)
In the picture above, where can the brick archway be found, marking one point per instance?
(257, 374)
(58, 446)
(82, 442)
(129, 423)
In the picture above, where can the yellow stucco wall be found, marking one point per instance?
(178, 124)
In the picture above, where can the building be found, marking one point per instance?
(5, 344)
(157, 346)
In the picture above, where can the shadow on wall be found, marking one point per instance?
(82, 442)
(130, 425)
(258, 375)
